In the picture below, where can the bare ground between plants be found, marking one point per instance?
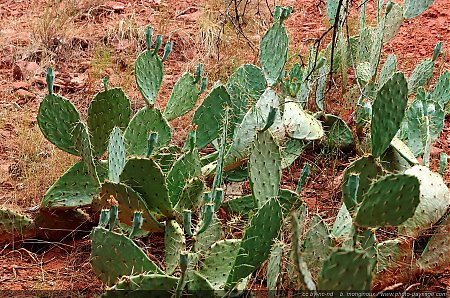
(89, 39)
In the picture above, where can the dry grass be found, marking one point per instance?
(36, 164)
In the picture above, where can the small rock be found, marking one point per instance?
(20, 85)
(114, 5)
(435, 151)
(7, 57)
(21, 39)
(24, 70)
(24, 96)
(192, 14)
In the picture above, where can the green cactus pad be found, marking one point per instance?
(107, 110)
(290, 150)
(441, 91)
(413, 8)
(218, 261)
(434, 201)
(209, 115)
(316, 245)
(191, 195)
(346, 270)
(200, 286)
(129, 202)
(57, 118)
(241, 205)
(338, 134)
(331, 9)
(146, 120)
(137, 173)
(304, 275)
(365, 44)
(149, 71)
(84, 147)
(116, 154)
(421, 75)
(75, 188)
(185, 168)
(273, 53)
(368, 170)
(389, 202)
(393, 162)
(265, 168)
(174, 244)
(256, 242)
(377, 46)
(13, 222)
(212, 234)
(394, 21)
(289, 199)
(391, 255)
(246, 84)
(274, 266)
(159, 284)
(299, 124)
(403, 150)
(419, 128)
(388, 69)
(114, 255)
(343, 225)
(364, 72)
(434, 258)
(321, 85)
(388, 112)
(166, 156)
(183, 98)
(254, 120)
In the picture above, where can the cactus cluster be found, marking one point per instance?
(132, 181)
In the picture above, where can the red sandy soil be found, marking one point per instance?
(65, 265)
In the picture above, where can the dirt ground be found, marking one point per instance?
(89, 39)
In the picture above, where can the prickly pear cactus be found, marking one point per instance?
(245, 85)
(218, 262)
(265, 168)
(368, 170)
(137, 172)
(110, 108)
(209, 115)
(57, 118)
(161, 285)
(129, 202)
(114, 255)
(274, 266)
(391, 100)
(273, 52)
(145, 120)
(413, 8)
(183, 98)
(346, 270)
(299, 124)
(73, 189)
(434, 201)
(305, 277)
(254, 120)
(13, 223)
(316, 245)
(149, 71)
(185, 168)
(390, 201)
(388, 69)
(434, 258)
(116, 154)
(174, 244)
(256, 242)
